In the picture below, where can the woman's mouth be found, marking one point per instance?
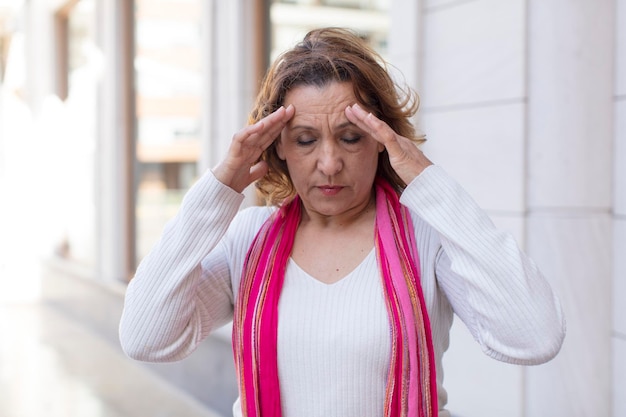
(330, 190)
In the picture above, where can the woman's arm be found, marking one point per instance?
(172, 303)
(182, 289)
(496, 290)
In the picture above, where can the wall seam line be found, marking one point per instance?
(475, 105)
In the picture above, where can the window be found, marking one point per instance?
(292, 19)
(168, 103)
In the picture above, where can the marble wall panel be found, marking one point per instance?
(473, 53)
(477, 385)
(483, 148)
(405, 41)
(574, 252)
(619, 276)
(619, 159)
(619, 377)
(570, 111)
(430, 5)
(620, 48)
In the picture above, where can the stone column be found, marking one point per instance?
(569, 170)
(467, 61)
(619, 219)
(116, 142)
(229, 73)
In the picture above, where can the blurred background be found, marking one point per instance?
(110, 109)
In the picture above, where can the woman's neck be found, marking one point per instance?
(356, 216)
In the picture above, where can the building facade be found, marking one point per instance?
(523, 101)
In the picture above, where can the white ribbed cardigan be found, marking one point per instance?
(334, 339)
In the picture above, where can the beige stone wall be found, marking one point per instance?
(522, 101)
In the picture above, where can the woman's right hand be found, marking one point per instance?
(241, 166)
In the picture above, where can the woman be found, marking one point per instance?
(341, 291)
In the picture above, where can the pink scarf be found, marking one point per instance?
(411, 385)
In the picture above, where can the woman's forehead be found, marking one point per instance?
(313, 101)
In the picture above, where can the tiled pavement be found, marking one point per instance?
(51, 366)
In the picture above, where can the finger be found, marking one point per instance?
(356, 115)
(373, 126)
(266, 124)
(266, 130)
(258, 170)
(275, 125)
(370, 123)
(251, 141)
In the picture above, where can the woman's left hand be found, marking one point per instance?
(405, 157)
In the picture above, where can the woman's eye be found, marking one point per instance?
(350, 139)
(305, 141)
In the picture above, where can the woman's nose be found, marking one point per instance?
(329, 160)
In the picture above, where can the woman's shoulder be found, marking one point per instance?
(247, 223)
(425, 234)
(427, 238)
(254, 214)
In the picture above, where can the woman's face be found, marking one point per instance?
(331, 162)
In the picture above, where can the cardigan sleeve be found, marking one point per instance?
(495, 289)
(173, 302)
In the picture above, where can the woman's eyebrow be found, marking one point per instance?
(300, 127)
(345, 124)
(340, 126)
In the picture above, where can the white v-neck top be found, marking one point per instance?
(346, 324)
(334, 339)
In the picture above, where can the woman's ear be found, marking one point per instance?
(279, 148)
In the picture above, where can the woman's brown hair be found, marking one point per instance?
(324, 56)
